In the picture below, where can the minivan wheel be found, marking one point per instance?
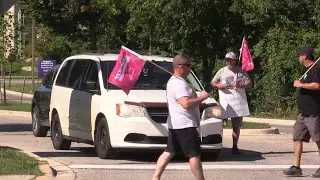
(102, 140)
(37, 129)
(58, 141)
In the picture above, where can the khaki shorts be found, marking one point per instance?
(236, 122)
(307, 127)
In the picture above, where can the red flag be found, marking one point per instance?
(247, 63)
(126, 70)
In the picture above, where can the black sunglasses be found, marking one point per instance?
(188, 65)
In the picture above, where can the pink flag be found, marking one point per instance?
(247, 63)
(126, 70)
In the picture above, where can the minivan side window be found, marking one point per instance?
(91, 76)
(79, 67)
(63, 74)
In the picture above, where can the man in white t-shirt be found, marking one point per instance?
(232, 76)
(183, 120)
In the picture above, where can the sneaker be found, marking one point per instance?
(316, 174)
(235, 150)
(293, 171)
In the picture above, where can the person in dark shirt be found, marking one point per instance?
(308, 124)
(51, 74)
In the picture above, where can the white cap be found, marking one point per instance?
(230, 55)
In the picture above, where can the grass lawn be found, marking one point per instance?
(249, 125)
(19, 87)
(15, 106)
(15, 162)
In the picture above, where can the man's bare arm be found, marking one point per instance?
(187, 102)
(311, 86)
(218, 85)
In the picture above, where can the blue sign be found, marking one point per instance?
(44, 65)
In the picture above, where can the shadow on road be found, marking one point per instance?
(15, 127)
(287, 152)
(73, 152)
(143, 156)
(245, 155)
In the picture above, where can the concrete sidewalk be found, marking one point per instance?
(280, 122)
(17, 93)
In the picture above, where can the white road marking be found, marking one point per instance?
(186, 166)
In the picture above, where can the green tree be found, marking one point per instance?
(278, 28)
(88, 20)
(203, 30)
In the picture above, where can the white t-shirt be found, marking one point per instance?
(227, 76)
(180, 118)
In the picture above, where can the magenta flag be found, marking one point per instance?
(246, 59)
(126, 70)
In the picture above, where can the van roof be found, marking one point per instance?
(113, 57)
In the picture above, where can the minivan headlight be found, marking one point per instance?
(212, 111)
(127, 110)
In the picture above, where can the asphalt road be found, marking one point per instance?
(262, 157)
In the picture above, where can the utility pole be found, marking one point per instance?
(33, 51)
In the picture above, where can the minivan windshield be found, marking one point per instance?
(151, 76)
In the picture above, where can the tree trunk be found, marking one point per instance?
(0, 89)
(4, 91)
(4, 84)
(10, 74)
(93, 36)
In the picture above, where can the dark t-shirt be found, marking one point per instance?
(50, 75)
(309, 100)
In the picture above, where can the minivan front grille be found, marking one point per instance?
(160, 114)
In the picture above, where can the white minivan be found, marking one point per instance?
(85, 108)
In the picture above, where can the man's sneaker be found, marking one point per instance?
(293, 171)
(316, 174)
(235, 150)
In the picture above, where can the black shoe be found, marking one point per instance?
(235, 150)
(293, 171)
(316, 174)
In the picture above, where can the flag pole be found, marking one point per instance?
(170, 73)
(240, 51)
(309, 69)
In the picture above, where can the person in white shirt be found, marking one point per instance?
(183, 120)
(232, 76)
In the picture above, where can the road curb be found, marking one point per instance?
(18, 93)
(52, 169)
(253, 131)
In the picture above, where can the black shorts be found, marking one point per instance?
(187, 140)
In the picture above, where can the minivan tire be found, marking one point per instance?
(58, 141)
(102, 140)
(37, 129)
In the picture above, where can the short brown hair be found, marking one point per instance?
(179, 59)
